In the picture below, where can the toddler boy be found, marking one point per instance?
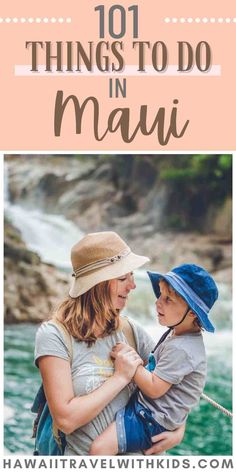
(172, 382)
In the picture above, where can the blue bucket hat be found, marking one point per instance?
(195, 285)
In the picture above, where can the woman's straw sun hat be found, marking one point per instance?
(98, 257)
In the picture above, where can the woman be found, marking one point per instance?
(84, 397)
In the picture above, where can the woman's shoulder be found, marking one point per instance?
(50, 340)
(48, 328)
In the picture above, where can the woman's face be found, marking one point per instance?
(119, 290)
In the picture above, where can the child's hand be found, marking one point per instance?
(118, 347)
(123, 347)
(126, 361)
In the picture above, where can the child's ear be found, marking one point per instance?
(192, 314)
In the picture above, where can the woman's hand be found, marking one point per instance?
(124, 348)
(126, 361)
(167, 440)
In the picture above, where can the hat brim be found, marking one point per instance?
(129, 263)
(155, 278)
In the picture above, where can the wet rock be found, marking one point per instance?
(31, 289)
(122, 189)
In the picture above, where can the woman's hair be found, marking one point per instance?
(89, 313)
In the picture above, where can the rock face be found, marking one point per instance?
(32, 289)
(126, 192)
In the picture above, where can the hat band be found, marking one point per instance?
(100, 263)
(180, 283)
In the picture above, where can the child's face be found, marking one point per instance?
(170, 307)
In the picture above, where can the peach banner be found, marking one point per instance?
(154, 76)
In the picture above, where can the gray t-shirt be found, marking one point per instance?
(181, 361)
(91, 366)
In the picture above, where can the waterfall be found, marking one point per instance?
(50, 235)
(6, 186)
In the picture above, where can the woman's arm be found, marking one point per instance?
(70, 412)
(167, 440)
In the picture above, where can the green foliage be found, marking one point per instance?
(198, 167)
(196, 183)
(200, 170)
(225, 161)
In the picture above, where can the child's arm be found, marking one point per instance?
(150, 384)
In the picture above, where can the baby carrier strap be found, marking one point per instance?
(128, 331)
